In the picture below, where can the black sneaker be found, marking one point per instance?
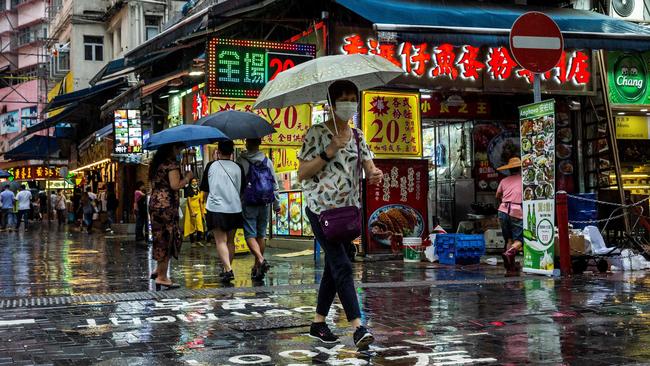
(322, 332)
(257, 274)
(363, 338)
(227, 276)
(265, 266)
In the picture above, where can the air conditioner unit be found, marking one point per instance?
(631, 10)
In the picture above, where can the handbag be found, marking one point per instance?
(343, 224)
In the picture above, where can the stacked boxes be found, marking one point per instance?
(459, 248)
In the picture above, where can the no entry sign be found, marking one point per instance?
(536, 42)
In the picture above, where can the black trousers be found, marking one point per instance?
(337, 276)
(140, 222)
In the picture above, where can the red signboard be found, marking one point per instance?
(397, 207)
(536, 42)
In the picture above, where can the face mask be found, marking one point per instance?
(345, 110)
(194, 185)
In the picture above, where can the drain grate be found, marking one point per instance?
(55, 301)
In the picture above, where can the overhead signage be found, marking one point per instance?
(128, 131)
(469, 67)
(627, 77)
(455, 106)
(632, 127)
(34, 172)
(291, 123)
(391, 123)
(536, 42)
(537, 124)
(241, 68)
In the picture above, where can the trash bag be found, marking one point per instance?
(593, 236)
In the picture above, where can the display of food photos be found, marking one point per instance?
(127, 127)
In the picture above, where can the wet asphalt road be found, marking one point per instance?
(70, 298)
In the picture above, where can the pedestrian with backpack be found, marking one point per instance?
(223, 180)
(260, 192)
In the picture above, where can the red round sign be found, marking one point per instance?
(536, 42)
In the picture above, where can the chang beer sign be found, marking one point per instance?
(627, 75)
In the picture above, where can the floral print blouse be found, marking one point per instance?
(337, 185)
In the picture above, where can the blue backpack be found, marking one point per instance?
(259, 184)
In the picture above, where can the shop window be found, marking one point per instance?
(152, 26)
(94, 48)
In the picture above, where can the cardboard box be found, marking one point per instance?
(577, 243)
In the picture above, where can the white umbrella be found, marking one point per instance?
(308, 82)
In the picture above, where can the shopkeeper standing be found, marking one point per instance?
(509, 193)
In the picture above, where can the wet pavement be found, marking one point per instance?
(70, 298)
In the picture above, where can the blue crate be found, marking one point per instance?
(576, 205)
(459, 248)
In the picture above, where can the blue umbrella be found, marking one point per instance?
(238, 125)
(189, 135)
(4, 174)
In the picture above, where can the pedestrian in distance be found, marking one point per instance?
(112, 204)
(140, 210)
(87, 212)
(24, 199)
(42, 199)
(7, 198)
(223, 180)
(52, 208)
(260, 192)
(166, 181)
(60, 207)
(510, 196)
(194, 212)
(330, 172)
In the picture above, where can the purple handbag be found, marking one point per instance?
(343, 224)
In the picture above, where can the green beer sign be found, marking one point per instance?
(627, 75)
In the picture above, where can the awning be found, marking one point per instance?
(151, 86)
(37, 147)
(84, 94)
(121, 67)
(489, 24)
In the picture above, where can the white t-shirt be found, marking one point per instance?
(24, 197)
(222, 179)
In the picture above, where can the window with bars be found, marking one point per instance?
(94, 48)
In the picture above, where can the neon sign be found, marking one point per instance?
(467, 63)
(239, 68)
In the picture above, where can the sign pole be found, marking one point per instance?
(537, 88)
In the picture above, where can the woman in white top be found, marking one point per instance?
(223, 180)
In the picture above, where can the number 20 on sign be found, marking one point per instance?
(391, 123)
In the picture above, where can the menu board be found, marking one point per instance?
(127, 127)
(538, 180)
(397, 207)
(291, 219)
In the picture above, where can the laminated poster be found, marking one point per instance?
(538, 180)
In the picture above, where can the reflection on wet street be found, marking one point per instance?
(70, 298)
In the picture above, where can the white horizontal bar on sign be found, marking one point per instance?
(540, 43)
(16, 322)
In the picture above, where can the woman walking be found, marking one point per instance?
(223, 180)
(194, 212)
(166, 180)
(87, 211)
(60, 208)
(330, 175)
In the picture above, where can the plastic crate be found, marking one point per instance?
(575, 206)
(460, 248)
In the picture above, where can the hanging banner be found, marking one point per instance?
(397, 207)
(391, 123)
(538, 179)
(291, 123)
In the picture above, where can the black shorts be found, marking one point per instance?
(223, 221)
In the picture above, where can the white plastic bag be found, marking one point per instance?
(592, 234)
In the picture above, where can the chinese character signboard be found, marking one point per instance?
(627, 76)
(455, 107)
(35, 172)
(391, 123)
(9, 123)
(285, 160)
(128, 131)
(632, 127)
(240, 68)
(537, 123)
(291, 123)
(396, 208)
(468, 67)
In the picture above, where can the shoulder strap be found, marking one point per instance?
(229, 177)
(356, 139)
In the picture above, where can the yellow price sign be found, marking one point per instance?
(391, 123)
(291, 123)
(240, 242)
(632, 127)
(285, 160)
